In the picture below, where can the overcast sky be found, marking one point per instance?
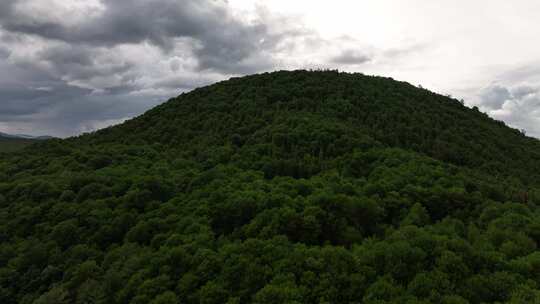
(72, 66)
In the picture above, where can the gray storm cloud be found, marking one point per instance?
(58, 75)
(220, 41)
(494, 97)
(517, 106)
(352, 57)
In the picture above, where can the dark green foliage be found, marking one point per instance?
(289, 187)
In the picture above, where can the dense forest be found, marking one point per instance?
(284, 187)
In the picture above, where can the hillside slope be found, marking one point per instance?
(285, 187)
(10, 144)
(261, 109)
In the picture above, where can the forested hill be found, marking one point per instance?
(324, 115)
(284, 187)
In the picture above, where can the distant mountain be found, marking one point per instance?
(285, 187)
(25, 136)
(16, 142)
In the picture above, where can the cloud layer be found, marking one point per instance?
(72, 66)
(67, 64)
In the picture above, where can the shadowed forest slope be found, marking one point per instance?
(10, 144)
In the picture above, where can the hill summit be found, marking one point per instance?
(284, 187)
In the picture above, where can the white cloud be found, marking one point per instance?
(517, 106)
